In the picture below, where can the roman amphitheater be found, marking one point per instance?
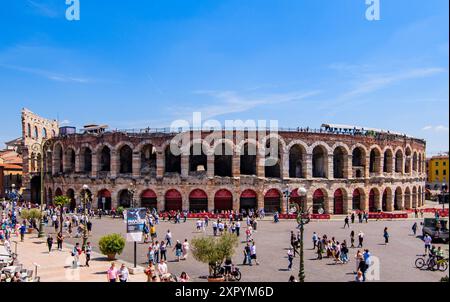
(342, 170)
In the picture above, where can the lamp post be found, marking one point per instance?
(302, 220)
(132, 191)
(85, 198)
(42, 148)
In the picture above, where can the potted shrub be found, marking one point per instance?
(26, 214)
(111, 245)
(214, 251)
(120, 211)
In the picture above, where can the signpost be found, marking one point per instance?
(135, 219)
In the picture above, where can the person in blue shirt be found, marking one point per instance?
(23, 229)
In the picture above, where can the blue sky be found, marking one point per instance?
(146, 63)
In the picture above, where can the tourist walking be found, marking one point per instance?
(59, 241)
(346, 222)
(112, 273)
(178, 250)
(352, 239)
(290, 255)
(386, 236)
(414, 228)
(49, 243)
(360, 239)
(88, 253)
(124, 274)
(186, 248)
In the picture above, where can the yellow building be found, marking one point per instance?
(438, 171)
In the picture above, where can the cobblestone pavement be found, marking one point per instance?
(396, 260)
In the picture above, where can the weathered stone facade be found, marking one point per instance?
(35, 129)
(340, 172)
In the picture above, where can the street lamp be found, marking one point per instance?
(132, 192)
(85, 198)
(302, 219)
(42, 148)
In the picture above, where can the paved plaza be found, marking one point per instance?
(272, 240)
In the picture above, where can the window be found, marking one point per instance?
(437, 172)
(444, 163)
(444, 172)
(437, 164)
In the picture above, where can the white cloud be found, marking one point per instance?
(43, 9)
(47, 74)
(64, 122)
(439, 128)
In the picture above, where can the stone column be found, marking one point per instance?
(78, 167)
(115, 167)
(381, 166)
(136, 164)
(160, 164)
(390, 202)
(260, 199)
(367, 167)
(285, 165)
(348, 203)
(95, 165)
(184, 165)
(260, 165)
(330, 172)
(210, 166)
(185, 196)
(236, 169)
(329, 205)
(236, 201)
(349, 166)
(309, 166)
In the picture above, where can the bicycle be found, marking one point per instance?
(422, 261)
(438, 264)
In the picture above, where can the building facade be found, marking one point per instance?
(224, 170)
(437, 171)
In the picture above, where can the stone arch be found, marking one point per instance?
(172, 158)
(398, 199)
(320, 197)
(248, 157)
(223, 158)
(320, 162)
(414, 198)
(125, 158)
(58, 158)
(386, 201)
(272, 200)
(149, 199)
(297, 161)
(339, 201)
(340, 161)
(223, 200)
(415, 162)
(198, 201)
(173, 200)
(198, 157)
(388, 157)
(69, 160)
(104, 159)
(124, 198)
(70, 193)
(407, 197)
(248, 200)
(86, 159)
(375, 160)
(148, 159)
(104, 199)
(374, 200)
(358, 200)
(359, 153)
(408, 154)
(398, 160)
(273, 152)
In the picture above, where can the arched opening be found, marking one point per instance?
(399, 161)
(73, 203)
(36, 132)
(338, 202)
(420, 164)
(126, 160)
(148, 160)
(297, 199)
(149, 200)
(248, 200)
(339, 162)
(48, 163)
(36, 189)
(388, 161)
(318, 201)
(320, 162)
(105, 160)
(408, 199)
(386, 200)
(223, 160)
(198, 201)
(272, 201)
(375, 161)
(198, 160)
(44, 133)
(357, 200)
(86, 160)
(58, 192)
(125, 199)
(58, 158)
(173, 201)
(172, 161)
(273, 159)
(408, 160)
(374, 202)
(297, 162)
(104, 201)
(223, 201)
(358, 162)
(28, 130)
(248, 159)
(398, 206)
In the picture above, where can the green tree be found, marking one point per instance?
(214, 251)
(61, 201)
